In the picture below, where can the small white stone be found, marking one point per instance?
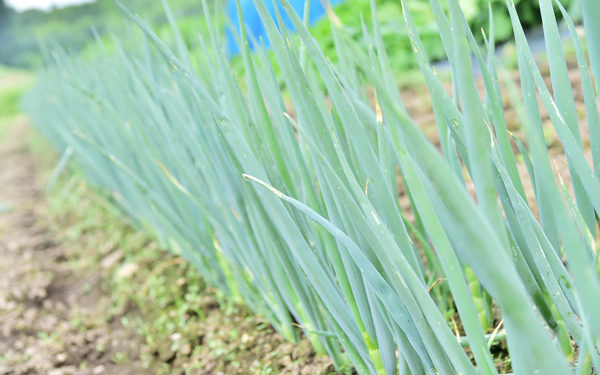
(61, 357)
(111, 259)
(98, 370)
(128, 270)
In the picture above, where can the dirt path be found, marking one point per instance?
(44, 316)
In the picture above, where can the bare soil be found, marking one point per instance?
(418, 105)
(42, 307)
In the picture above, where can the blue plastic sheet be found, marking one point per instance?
(255, 26)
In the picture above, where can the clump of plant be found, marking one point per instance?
(292, 206)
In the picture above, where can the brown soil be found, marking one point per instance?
(42, 307)
(418, 105)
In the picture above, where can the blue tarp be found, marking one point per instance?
(255, 26)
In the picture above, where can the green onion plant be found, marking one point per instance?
(286, 196)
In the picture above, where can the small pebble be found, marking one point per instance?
(128, 270)
(112, 259)
(186, 349)
(98, 370)
(61, 358)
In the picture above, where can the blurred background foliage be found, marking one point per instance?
(72, 26)
(389, 13)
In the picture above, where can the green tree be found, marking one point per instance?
(3, 10)
(5, 13)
